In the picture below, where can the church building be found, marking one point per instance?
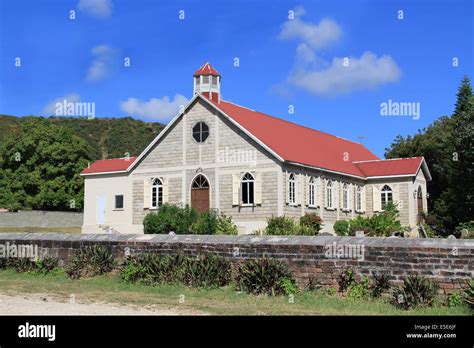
(218, 155)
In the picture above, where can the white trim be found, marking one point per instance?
(391, 176)
(325, 170)
(101, 173)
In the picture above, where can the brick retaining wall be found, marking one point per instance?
(448, 261)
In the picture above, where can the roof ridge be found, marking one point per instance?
(388, 159)
(296, 124)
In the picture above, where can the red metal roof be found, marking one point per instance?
(206, 69)
(398, 166)
(109, 165)
(295, 143)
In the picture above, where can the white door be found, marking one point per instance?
(100, 210)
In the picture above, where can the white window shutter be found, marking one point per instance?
(299, 190)
(396, 195)
(146, 193)
(258, 188)
(165, 190)
(318, 192)
(350, 197)
(335, 194)
(235, 189)
(376, 199)
(363, 201)
(287, 188)
(325, 190)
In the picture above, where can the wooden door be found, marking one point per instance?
(419, 201)
(200, 199)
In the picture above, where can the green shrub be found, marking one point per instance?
(208, 271)
(46, 265)
(206, 223)
(380, 284)
(289, 286)
(346, 279)
(226, 226)
(313, 221)
(468, 293)
(22, 264)
(341, 227)
(415, 292)
(201, 271)
(313, 284)
(378, 225)
(359, 290)
(263, 276)
(454, 299)
(90, 261)
(170, 218)
(280, 225)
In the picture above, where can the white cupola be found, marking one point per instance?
(207, 81)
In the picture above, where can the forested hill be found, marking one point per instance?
(108, 137)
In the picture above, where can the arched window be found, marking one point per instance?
(345, 196)
(156, 193)
(386, 195)
(292, 189)
(247, 189)
(200, 181)
(329, 194)
(359, 199)
(312, 192)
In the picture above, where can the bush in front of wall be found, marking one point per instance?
(264, 276)
(468, 293)
(341, 227)
(208, 271)
(313, 221)
(170, 218)
(380, 284)
(280, 225)
(346, 279)
(415, 292)
(206, 223)
(225, 226)
(46, 265)
(90, 261)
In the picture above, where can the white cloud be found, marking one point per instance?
(50, 108)
(160, 109)
(96, 8)
(362, 73)
(315, 35)
(103, 60)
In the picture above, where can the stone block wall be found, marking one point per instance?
(449, 262)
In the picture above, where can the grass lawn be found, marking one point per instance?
(41, 229)
(224, 301)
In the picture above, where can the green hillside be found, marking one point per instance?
(108, 137)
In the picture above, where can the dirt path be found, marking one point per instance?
(44, 304)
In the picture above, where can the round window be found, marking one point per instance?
(200, 132)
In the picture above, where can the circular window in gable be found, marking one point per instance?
(200, 132)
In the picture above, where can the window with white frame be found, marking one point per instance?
(329, 194)
(292, 189)
(156, 193)
(345, 196)
(359, 199)
(247, 189)
(386, 195)
(312, 192)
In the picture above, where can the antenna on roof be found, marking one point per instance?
(360, 137)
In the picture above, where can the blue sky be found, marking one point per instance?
(283, 61)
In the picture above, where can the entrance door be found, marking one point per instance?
(100, 210)
(419, 201)
(200, 194)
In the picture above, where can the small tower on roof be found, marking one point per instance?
(207, 81)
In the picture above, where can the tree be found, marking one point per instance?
(40, 166)
(448, 148)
